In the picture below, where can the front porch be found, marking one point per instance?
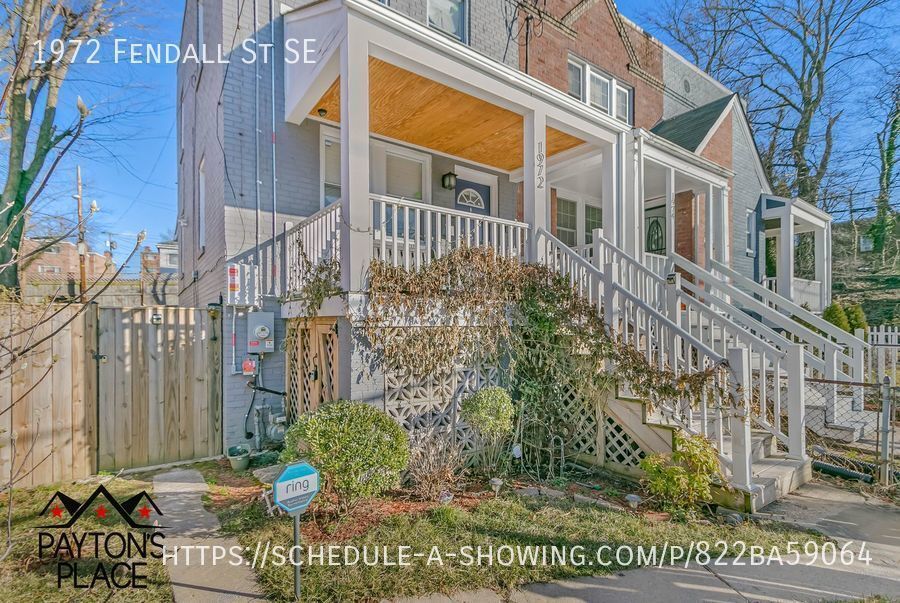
(786, 221)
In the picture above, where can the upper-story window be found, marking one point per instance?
(450, 17)
(600, 90)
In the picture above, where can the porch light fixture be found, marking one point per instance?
(448, 181)
(322, 111)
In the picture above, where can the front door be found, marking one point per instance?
(473, 197)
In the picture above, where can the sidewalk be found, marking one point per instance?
(180, 496)
(840, 514)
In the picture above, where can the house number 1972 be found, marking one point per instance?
(539, 165)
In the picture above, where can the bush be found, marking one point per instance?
(490, 413)
(857, 318)
(683, 480)
(359, 450)
(835, 315)
(435, 463)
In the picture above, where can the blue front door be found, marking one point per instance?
(473, 197)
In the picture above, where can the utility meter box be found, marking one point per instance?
(260, 332)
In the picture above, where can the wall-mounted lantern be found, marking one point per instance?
(448, 181)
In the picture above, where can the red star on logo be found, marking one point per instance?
(101, 512)
(57, 512)
(145, 512)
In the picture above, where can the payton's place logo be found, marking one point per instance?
(96, 557)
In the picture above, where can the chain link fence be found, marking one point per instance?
(851, 429)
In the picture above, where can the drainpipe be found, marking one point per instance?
(256, 134)
(275, 255)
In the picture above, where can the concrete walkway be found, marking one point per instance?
(840, 514)
(179, 495)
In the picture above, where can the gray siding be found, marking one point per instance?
(745, 196)
(703, 89)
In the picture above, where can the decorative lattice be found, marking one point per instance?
(311, 373)
(582, 420)
(620, 447)
(432, 402)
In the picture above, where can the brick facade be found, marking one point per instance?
(597, 41)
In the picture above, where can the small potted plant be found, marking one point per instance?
(239, 457)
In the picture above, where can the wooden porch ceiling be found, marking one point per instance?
(408, 107)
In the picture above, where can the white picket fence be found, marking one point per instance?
(884, 353)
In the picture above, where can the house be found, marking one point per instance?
(159, 274)
(592, 148)
(52, 268)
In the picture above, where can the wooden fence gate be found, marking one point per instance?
(158, 385)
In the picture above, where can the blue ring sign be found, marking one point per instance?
(295, 487)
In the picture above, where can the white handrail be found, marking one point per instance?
(317, 238)
(411, 234)
(836, 334)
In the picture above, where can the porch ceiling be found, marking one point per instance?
(408, 107)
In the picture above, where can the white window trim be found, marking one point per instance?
(467, 29)
(478, 177)
(378, 151)
(582, 67)
(751, 249)
(614, 86)
(580, 200)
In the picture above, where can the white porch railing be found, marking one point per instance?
(841, 354)
(807, 293)
(411, 234)
(774, 362)
(318, 238)
(884, 353)
(666, 344)
(658, 264)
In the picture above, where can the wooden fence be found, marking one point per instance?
(106, 389)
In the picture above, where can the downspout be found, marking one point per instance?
(256, 135)
(275, 255)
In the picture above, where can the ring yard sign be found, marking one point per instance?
(295, 487)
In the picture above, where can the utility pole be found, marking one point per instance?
(82, 249)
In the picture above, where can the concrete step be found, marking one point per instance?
(777, 476)
(762, 445)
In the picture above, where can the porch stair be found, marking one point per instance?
(675, 330)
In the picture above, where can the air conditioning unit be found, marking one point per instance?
(241, 285)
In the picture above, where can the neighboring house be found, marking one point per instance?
(611, 151)
(53, 270)
(159, 274)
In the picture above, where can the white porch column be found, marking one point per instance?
(822, 257)
(670, 212)
(786, 256)
(356, 210)
(632, 205)
(536, 195)
(709, 221)
(613, 162)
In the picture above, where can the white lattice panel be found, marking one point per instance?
(621, 447)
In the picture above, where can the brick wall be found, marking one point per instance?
(597, 41)
(684, 224)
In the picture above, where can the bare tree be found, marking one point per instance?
(42, 37)
(888, 138)
(789, 58)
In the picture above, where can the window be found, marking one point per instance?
(169, 260)
(49, 269)
(623, 104)
(600, 90)
(54, 249)
(567, 221)
(593, 218)
(576, 79)
(331, 170)
(751, 232)
(201, 206)
(450, 17)
(403, 176)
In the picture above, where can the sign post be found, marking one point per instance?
(293, 491)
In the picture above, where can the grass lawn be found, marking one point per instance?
(474, 520)
(25, 577)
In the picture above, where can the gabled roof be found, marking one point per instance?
(690, 129)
